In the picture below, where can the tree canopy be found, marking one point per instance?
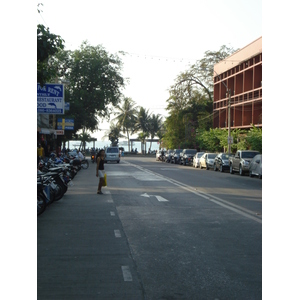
(48, 44)
(95, 83)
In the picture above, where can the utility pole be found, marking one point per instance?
(229, 109)
(229, 120)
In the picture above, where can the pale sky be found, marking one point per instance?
(162, 37)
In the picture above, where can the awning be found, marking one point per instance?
(47, 131)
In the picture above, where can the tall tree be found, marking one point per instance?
(190, 104)
(113, 134)
(48, 44)
(95, 84)
(142, 124)
(155, 124)
(126, 117)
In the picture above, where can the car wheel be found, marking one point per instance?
(241, 171)
(215, 167)
(221, 168)
(207, 167)
(231, 169)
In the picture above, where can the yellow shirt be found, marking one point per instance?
(40, 151)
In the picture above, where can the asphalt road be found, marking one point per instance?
(179, 233)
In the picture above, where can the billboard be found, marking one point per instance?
(50, 99)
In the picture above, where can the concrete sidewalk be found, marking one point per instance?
(82, 251)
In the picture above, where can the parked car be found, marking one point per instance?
(222, 161)
(175, 156)
(196, 159)
(112, 154)
(255, 167)
(241, 160)
(207, 160)
(187, 156)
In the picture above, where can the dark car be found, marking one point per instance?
(221, 162)
(255, 168)
(187, 156)
(175, 156)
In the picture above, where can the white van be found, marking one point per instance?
(112, 154)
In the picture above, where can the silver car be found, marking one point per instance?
(207, 160)
(255, 168)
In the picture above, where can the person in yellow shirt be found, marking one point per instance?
(40, 153)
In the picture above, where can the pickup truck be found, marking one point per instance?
(240, 162)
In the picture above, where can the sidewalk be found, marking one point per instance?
(82, 251)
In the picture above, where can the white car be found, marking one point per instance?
(112, 154)
(196, 159)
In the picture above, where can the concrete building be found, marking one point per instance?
(241, 73)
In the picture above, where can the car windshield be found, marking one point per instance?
(211, 155)
(112, 150)
(177, 151)
(248, 154)
(191, 151)
(199, 154)
(225, 156)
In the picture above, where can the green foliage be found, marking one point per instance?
(190, 104)
(113, 134)
(126, 117)
(48, 44)
(95, 83)
(254, 139)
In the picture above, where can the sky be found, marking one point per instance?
(161, 38)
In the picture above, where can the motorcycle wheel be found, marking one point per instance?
(84, 164)
(41, 204)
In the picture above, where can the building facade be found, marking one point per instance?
(241, 73)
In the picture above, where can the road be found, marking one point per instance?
(183, 233)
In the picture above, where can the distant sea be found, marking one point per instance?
(102, 144)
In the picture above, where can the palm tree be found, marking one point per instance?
(142, 124)
(126, 117)
(84, 137)
(155, 124)
(113, 134)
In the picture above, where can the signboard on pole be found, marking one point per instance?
(65, 124)
(230, 140)
(50, 99)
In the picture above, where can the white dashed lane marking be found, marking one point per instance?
(126, 273)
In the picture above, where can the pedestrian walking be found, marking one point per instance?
(100, 169)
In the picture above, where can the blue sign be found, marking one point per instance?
(67, 105)
(65, 124)
(50, 99)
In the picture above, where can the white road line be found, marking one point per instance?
(161, 199)
(126, 273)
(112, 213)
(117, 233)
(233, 207)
